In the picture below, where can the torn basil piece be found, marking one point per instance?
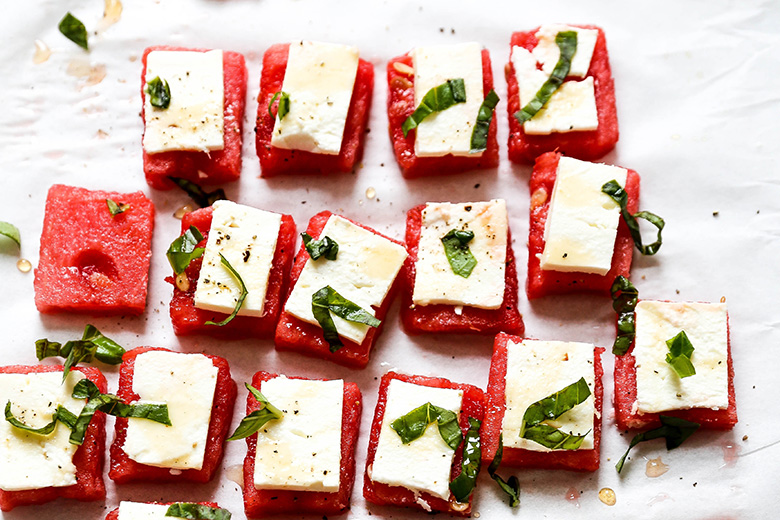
(679, 355)
(673, 429)
(72, 28)
(619, 195)
(552, 407)
(624, 299)
(197, 512)
(159, 93)
(459, 255)
(92, 345)
(115, 209)
(252, 423)
(412, 426)
(439, 98)
(9, 230)
(567, 43)
(512, 486)
(327, 300)
(241, 297)
(463, 485)
(202, 198)
(479, 136)
(284, 104)
(61, 414)
(183, 250)
(326, 247)
(553, 438)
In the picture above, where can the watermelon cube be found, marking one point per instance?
(114, 515)
(90, 261)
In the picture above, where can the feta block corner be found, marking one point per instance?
(194, 121)
(547, 52)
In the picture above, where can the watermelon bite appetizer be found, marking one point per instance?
(440, 108)
(461, 275)
(302, 460)
(524, 374)
(577, 240)
(40, 467)
(193, 111)
(95, 252)
(258, 245)
(166, 510)
(313, 108)
(579, 119)
(199, 393)
(348, 274)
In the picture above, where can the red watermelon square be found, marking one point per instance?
(91, 262)
(492, 427)
(400, 105)
(260, 503)
(276, 161)
(114, 515)
(545, 282)
(88, 458)
(124, 469)
(419, 319)
(189, 320)
(217, 166)
(587, 145)
(472, 406)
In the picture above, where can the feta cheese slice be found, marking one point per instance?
(302, 450)
(435, 282)
(425, 463)
(30, 461)
(582, 221)
(141, 511)
(448, 131)
(363, 273)
(319, 79)
(186, 383)
(195, 118)
(247, 238)
(571, 108)
(536, 369)
(547, 52)
(658, 387)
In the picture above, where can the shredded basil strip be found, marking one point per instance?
(257, 419)
(412, 426)
(197, 511)
(552, 407)
(92, 345)
(485, 115)
(327, 300)
(458, 253)
(553, 438)
(673, 429)
(159, 93)
(284, 104)
(679, 355)
(183, 250)
(115, 209)
(619, 195)
(61, 414)
(463, 485)
(326, 247)
(72, 28)
(624, 299)
(241, 297)
(9, 230)
(202, 198)
(439, 98)
(567, 43)
(512, 486)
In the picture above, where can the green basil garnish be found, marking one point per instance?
(458, 253)
(412, 426)
(679, 355)
(624, 299)
(72, 28)
(284, 104)
(159, 93)
(673, 429)
(11, 231)
(553, 438)
(552, 407)
(480, 133)
(197, 512)
(327, 300)
(92, 345)
(241, 297)
(115, 209)
(326, 247)
(512, 486)
(567, 43)
(463, 485)
(257, 419)
(202, 198)
(62, 414)
(449, 93)
(183, 250)
(619, 195)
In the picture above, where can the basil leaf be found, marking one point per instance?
(679, 355)
(183, 250)
(93, 344)
(197, 512)
(327, 300)
(252, 423)
(463, 485)
(480, 133)
(202, 198)
(61, 414)
(108, 351)
(326, 247)
(512, 486)
(567, 43)
(412, 426)
(115, 209)
(72, 28)
(241, 297)
(673, 429)
(458, 253)
(284, 104)
(624, 299)
(159, 93)
(11, 231)
(555, 405)
(619, 195)
(439, 98)
(553, 438)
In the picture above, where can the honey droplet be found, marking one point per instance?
(655, 468)
(24, 265)
(182, 282)
(111, 13)
(42, 52)
(179, 213)
(403, 68)
(607, 495)
(370, 193)
(538, 198)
